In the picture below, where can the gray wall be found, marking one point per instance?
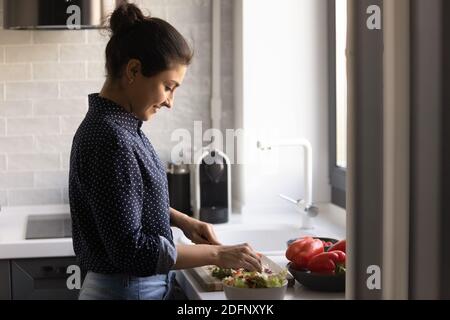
(429, 254)
(45, 77)
(445, 225)
(430, 189)
(365, 172)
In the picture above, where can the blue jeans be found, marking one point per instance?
(98, 286)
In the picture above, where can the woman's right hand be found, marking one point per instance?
(238, 256)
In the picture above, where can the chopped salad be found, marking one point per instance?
(246, 279)
(221, 273)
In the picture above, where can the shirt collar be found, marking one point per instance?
(121, 116)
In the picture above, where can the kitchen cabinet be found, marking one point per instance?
(5, 280)
(36, 279)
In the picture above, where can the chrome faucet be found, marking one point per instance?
(305, 206)
(307, 212)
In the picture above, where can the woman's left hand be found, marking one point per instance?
(197, 231)
(200, 232)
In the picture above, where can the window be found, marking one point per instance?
(337, 17)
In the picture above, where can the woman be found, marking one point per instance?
(118, 187)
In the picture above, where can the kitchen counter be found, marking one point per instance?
(330, 223)
(13, 245)
(195, 292)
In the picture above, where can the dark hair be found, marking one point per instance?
(152, 41)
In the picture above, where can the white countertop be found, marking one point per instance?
(13, 245)
(298, 292)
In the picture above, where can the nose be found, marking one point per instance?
(168, 103)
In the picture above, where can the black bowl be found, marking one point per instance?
(318, 282)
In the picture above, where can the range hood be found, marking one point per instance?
(56, 14)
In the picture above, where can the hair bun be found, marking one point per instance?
(125, 17)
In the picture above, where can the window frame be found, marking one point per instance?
(338, 175)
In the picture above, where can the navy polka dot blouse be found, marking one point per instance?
(118, 195)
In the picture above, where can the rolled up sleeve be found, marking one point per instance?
(167, 256)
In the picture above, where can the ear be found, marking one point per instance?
(133, 68)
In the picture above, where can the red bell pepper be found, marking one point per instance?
(294, 247)
(327, 243)
(339, 246)
(328, 263)
(302, 250)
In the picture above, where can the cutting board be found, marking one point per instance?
(209, 283)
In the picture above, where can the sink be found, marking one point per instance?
(267, 239)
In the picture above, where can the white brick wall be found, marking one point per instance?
(30, 52)
(34, 197)
(45, 77)
(13, 180)
(30, 90)
(60, 107)
(2, 163)
(15, 72)
(16, 108)
(16, 144)
(33, 162)
(32, 126)
(2, 127)
(59, 71)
